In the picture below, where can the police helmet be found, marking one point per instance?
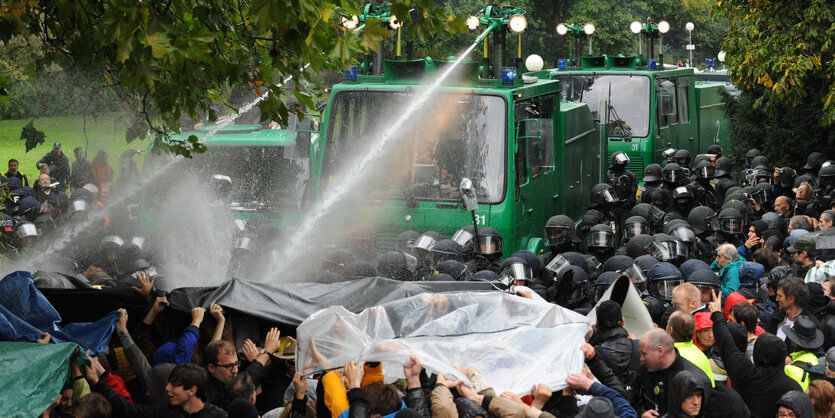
(79, 207)
(559, 230)
(455, 269)
(669, 248)
(603, 282)
(668, 153)
(28, 207)
(730, 221)
(672, 173)
(603, 194)
(529, 258)
(715, 149)
(405, 241)
(635, 225)
(514, 270)
(652, 172)
(464, 237)
(424, 243)
(653, 215)
(681, 230)
(571, 285)
(705, 170)
(663, 278)
(814, 161)
(750, 155)
(704, 279)
(111, 242)
(601, 236)
(826, 176)
(25, 230)
(640, 245)
(682, 192)
(489, 241)
(645, 262)
(446, 249)
(619, 159)
(690, 266)
(723, 166)
(759, 161)
(393, 265)
(682, 158)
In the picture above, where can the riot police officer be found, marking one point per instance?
(601, 242)
(704, 223)
(602, 210)
(730, 227)
(722, 177)
(705, 194)
(623, 181)
(652, 179)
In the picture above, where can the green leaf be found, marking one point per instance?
(159, 44)
(374, 33)
(32, 136)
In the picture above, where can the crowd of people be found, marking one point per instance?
(738, 280)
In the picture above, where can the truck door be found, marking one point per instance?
(536, 176)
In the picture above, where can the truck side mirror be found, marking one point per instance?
(468, 194)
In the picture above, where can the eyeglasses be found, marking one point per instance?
(230, 366)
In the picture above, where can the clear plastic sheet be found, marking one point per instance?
(512, 341)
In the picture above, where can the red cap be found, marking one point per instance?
(703, 321)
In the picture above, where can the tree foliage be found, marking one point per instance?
(781, 49)
(168, 58)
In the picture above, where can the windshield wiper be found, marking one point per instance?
(625, 131)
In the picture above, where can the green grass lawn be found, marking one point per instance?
(106, 132)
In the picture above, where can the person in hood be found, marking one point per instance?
(687, 395)
(759, 383)
(795, 404)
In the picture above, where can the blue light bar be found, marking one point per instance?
(710, 63)
(351, 75)
(653, 64)
(561, 64)
(508, 76)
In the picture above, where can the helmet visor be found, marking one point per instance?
(662, 252)
(635, 228)
(557, 265)
(517, 271)
(677, 249)
(463, 238)
(664, 287)
(601, 239)
(621, 158)
(684, 233)
(26, 230)
(673, 176)
(424, 242)
(490, 245)
(556, 235)
(411, 262)
(705, 172)
(244, 243)
(635, 274)
(731, 225)
(608, 196)
(78, 205)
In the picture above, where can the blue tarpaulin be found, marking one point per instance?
(25, 314)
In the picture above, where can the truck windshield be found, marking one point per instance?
(461, 135)
(246, 178)
(630, 99)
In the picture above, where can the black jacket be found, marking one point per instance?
(652, 388)
(617, 351)
(725, 402)
(760, 383)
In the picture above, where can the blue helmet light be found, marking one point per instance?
(710, 63)
(653, 65)
(351, 75)
(508, 76)
(561, 64)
